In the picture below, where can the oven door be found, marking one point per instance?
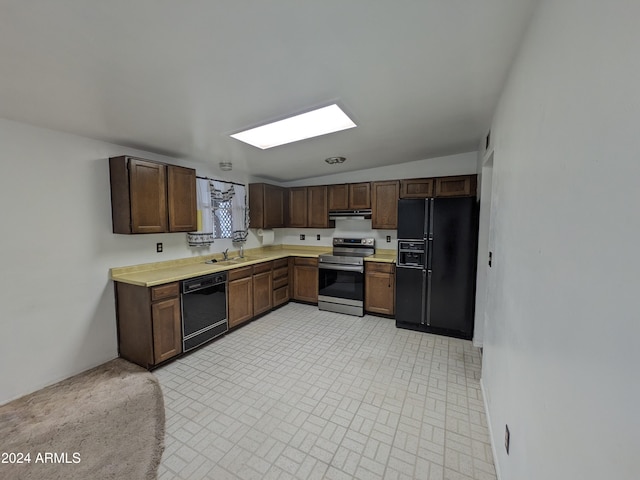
(341, 282)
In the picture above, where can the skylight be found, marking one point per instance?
(307, 125)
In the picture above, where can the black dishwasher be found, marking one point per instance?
(204, 309)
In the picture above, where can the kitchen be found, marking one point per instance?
(336, 281)
(557, 147)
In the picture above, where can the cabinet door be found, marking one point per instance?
(384, 204)
(460, 186)
(147, 184)
(379, 289)
(360, 195)
(181, 199)
(318, 213)
(240, 301)
(297, 207)
(167, 331)
(338, 197)
(416, 188)
(280, 296)
(262, 293)
(273, 206)
(305, 283)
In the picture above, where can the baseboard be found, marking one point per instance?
(491, 437)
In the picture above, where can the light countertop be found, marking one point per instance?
(152, 274)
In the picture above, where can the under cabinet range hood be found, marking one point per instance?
(363, 214)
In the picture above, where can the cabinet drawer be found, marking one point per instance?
(281, 272)
(241, 272)
(280, 282)
(379, 267)
(281, 262)
(165, 291)
(262, 267)
(280, 295)
(312, 262)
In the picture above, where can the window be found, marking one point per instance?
(222, 219)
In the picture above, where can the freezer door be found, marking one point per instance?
(412, 218)
(452, 259)
(410, 298)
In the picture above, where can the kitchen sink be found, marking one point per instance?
(232, 261)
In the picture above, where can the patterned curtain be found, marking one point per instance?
(204, 236)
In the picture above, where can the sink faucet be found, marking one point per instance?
(225, 254)
(241, 253)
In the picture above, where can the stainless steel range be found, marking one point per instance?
(341, 276)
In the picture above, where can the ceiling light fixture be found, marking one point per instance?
(306, 125)
(226, 166)
(334, 160)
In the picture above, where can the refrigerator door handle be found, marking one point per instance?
(431, 204)
(424, 296)
(428, 309)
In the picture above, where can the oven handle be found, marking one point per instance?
(344, 268)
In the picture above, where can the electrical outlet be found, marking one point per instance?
(490, 258)
(159, 247)
(318, 237)
(507, 437)
(302, 236)
(388, 238)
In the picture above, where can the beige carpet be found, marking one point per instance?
(106, 423)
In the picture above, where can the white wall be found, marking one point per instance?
(343, 228)
(461, 164)
(57, 312)
(562, 342)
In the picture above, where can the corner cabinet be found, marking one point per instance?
(384, 204)
(151, 197)
(379, 288)
(149, 323)
(266, 206)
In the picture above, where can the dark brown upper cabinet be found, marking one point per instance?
(360, 195)
(339, 197)
(266, 206)
(416, 188)
(297, 211)
(318, 208)
(151, 197)
(181, 196)
(384, 204)
(349, 196)
(458, 186)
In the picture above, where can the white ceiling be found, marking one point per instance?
(419, 77)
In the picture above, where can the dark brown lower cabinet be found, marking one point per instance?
(262, 293)
(379, 288)
(240, 296)
(280, 282)
(149, 323)
(305, 279)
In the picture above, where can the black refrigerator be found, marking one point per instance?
(436, 265)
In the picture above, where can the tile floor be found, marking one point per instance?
(306, 394)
